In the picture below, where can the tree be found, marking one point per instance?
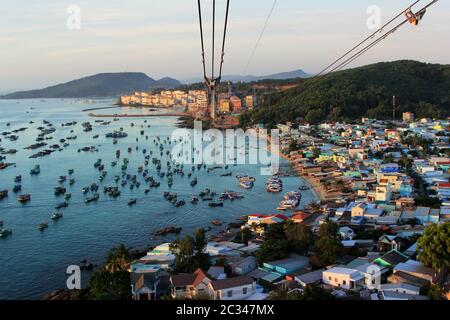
(200, 241)
(190, 253)
(434, 248)
(426, 201)
(271, 250)
(243, 236)
(310, 293)
(314, 293)
(118, 259)
(274, 231)
(105, 285)
(436, 292)
(300, 237)
(280, 294)
(328, 244)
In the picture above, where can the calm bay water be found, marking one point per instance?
(33, 263)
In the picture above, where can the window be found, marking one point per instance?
(244, 291)
(329, 278)
(230, 293)
(344, 282)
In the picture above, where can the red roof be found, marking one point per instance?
(301, 216)
(443, 185)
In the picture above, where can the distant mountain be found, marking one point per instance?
(99, 85)
(250, 78)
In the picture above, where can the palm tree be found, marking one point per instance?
(118, 259)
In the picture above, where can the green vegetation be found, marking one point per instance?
(99, 85)
(361, 92)
(281, 239)
(112, 281)
(190, 253)
(434, 248)
(426, 201)
(328, 244)
(310, 293)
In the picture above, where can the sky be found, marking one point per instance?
(161, 37)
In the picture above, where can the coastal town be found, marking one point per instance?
(194, 102)
(384, 200)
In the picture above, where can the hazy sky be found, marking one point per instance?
(161, 37)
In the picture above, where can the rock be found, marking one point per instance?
(168, 230)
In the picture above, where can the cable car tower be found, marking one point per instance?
(212, 81)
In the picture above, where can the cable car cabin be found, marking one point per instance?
(414, 18)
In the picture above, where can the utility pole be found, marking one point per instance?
(394, 106)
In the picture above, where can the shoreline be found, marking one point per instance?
(316, 190)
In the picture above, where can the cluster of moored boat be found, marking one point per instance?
(246, 181)
(274, 185)
(291, 201)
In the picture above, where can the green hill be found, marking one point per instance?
(99, 85)
(366, 91)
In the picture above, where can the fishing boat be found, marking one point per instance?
(194, 200)
(56, 216)
(24, 198)
(71, 171)
(85, 190)
(18, 179)
(42, 226)
(61, 205)
(71, 181)
(304, 188)
(246, 184)
(60, 191)
(180, 203)
(68, 196)
(97, 163)
(4, 233)
(274, 188)
(95, 197)
(17, 188)
(3, 194)
(132, 202)
(36, 170)
(62, 179)
(215, 204)
(194, 182)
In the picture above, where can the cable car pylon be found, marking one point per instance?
(212, 81)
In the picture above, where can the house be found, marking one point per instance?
(388, 243)
(416, 269)
(244, 266)
(392, 295)
(287, 266)
(148, 286)
(217, 273)
(237, 288)
(359, 209)
(401, 288)
(343, 278)
(402, 277)
(310, 278)
(190, 285)
(391, 259)
(372, 214)
(300, 217)
(346, 233)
